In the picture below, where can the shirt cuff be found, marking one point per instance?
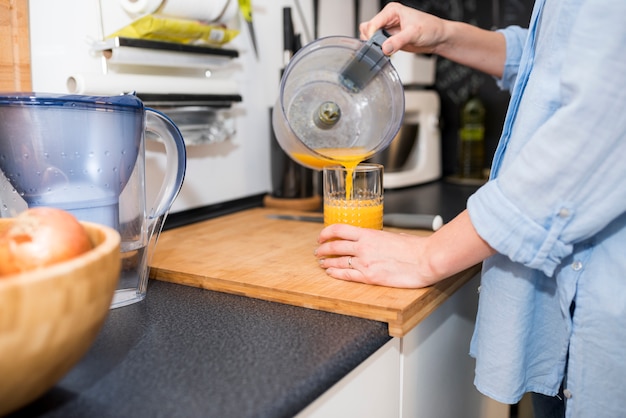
(515, 38)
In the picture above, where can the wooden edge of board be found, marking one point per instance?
(424, 306)
(399, 322)
(264, 293)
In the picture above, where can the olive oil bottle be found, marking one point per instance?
(472, 139)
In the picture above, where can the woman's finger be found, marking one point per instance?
(339, 231)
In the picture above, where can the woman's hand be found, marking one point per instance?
(372, 256)
(414, 31)
(400, 260)
(411, 30)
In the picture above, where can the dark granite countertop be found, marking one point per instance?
(189, 352)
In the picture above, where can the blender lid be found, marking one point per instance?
(74, 100)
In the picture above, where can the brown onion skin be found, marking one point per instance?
(39, 237)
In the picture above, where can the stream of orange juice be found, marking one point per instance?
(347, 157)
(366, 213)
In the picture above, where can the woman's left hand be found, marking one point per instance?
(372, 256)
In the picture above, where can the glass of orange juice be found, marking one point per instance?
(354, 195)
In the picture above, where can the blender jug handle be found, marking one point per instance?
(367, 62)
(176, 163)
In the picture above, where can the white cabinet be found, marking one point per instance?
(428, 373)
(370, 390)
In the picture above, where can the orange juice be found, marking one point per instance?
(365, 213)
(347, 157)
(341, 205)
(354, 195)
(344, 156)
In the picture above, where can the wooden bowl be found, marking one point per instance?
(50, 317)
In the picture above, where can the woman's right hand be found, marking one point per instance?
(414, 31)
(411, 29)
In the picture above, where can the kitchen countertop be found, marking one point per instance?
(187, 352)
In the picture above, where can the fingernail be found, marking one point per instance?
(387, 48)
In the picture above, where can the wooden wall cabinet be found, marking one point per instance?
(15, 74)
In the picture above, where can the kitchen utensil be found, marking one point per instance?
(51, 316)
(85, 154)
(316, 18)
(246, 11)
(356, 4)
(395, 220)
(289, 36)
(303, 20)
(340, 100)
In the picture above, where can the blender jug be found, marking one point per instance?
(86, 155)
(340, 101)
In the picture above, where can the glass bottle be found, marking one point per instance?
(472, 139)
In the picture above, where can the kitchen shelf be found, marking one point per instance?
(173, 99)
(118, 42)
(144, 52)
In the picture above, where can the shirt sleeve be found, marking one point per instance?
(568, 180)
(515, 37)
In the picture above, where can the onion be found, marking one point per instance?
(39, 237)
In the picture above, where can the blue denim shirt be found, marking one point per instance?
(555, 211)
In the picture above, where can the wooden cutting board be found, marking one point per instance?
(246, 253)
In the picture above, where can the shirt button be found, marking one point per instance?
(564, 213)
(577, 265)
(567, 393)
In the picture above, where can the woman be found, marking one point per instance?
(550, 224)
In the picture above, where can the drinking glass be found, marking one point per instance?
(354, 195)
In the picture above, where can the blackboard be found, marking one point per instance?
(455, 83)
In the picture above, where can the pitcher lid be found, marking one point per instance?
(56, 99)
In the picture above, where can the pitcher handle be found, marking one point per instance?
(176, 162)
